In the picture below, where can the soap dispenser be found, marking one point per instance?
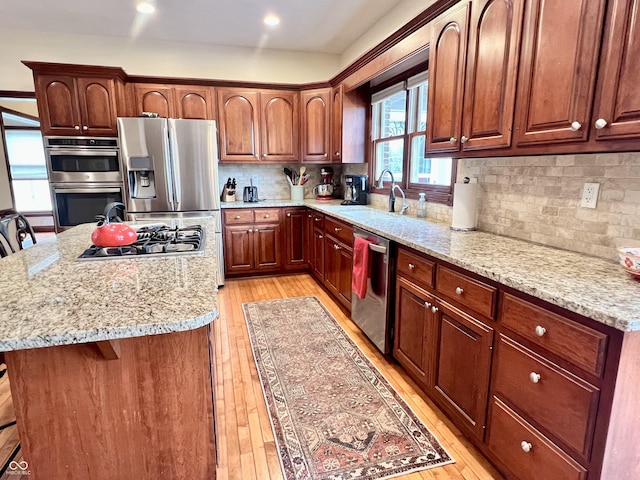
(422, 207)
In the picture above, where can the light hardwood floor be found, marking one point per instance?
(245, 443)
(246, 447)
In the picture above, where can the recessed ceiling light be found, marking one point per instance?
(271, 20)
(145, 7)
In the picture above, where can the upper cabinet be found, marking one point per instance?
(558, 67)
(617, 112)
(70, 105)
(316, 125)
(174, 101)
(258, 126)
(472, 85)
(336, 124)
(349, 124)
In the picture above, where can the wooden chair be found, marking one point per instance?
(14, 229)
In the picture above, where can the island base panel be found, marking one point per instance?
(148, 414)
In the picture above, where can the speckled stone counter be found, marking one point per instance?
(593, 287)
(49, 298)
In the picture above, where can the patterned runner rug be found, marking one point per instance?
(333, 414)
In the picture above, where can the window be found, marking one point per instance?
(28, 169)
(399, 129)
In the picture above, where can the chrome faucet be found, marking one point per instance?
(392, 196)
(405, 207)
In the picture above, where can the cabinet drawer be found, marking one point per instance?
(318, 220)
(470, 293)
(266, 215)
(419, 269)
(339, 230)
(580, 345)
(238, 215)
(510, 436)
(556, 400)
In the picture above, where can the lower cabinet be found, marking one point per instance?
(295, 224)
(338, 265)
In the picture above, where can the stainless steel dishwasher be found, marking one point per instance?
(371, 313)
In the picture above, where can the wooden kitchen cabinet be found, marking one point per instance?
(252, 240)
(295, 232)
(70, 105)
(557, 73)
(258, 126)
(349, 124)
(338, 265)
(279, 126)
(174, 101)
(196, 103)
(154, 99)
(316, 125)
(617, 109)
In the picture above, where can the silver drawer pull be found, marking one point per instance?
(309, 215)
(337, 229)
(434, 309)
(540, 330)
(318, 219)
(534, 377)
(337, 247)
(459, 290)
(237, 217)
(288, 214)
(526, 446)
(320, 236)
(453, 140)
(427, 304)
(266, 216)
(250, 230)
(412, 266)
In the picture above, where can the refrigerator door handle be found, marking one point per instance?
(175, 165)
(170, 151)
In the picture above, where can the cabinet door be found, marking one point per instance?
(156, 99)
(308, 238)
(267, 247)
(560, 45)
(331, 264)
(238, 120)
(492, 60)
(194, 103)
(295, 226)
(316, 124)
(414, 330)
(280, 126)
(97, 101)
(344, 268)
(238, 248)
(446, 80)
(461, 369)
(336, 124)
(619, 95)
(57, 105)
(318, 254)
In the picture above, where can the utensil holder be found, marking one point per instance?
(297, 192)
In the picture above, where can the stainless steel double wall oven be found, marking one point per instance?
(85, 175)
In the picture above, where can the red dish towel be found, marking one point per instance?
(360, 266)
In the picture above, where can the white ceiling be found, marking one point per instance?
(328, 26)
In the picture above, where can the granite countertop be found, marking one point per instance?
(49, 298)
(590, 286)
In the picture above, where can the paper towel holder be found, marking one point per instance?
(464, 215)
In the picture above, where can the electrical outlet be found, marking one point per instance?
(590, 195)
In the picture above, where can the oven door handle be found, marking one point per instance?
(82, 153)
(88, 190)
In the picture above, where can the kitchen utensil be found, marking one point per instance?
(303, 169)
(288, 173)
(289, 180)
(323, 190)
(304, 179)
(113, 234)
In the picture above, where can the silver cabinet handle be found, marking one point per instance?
(575, 126)
(434, 309)
(601, 123)
(84, 127)
(318, 219)
(337, 229)
(427, 304)
(320, 236)
(77, 127)
(534, 377)
(309, 215)
(237, 217)
(337, 154)
(288, 214)
(250, 230)
(337, 247)
(540, 330)
(266, 215)
(459, 290)
(464, 139)
(412, 266)
(325, 155)
(264, 155)
(452, 140)
(526, 446)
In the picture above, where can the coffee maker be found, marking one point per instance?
(356, 188)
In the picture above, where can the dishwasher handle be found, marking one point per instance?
(373, 246)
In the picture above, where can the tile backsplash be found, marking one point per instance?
(531, 198)
(538, 199)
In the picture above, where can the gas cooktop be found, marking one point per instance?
(157, 240)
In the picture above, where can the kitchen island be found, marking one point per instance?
(109, 360)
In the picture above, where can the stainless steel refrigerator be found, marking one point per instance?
(170, 169)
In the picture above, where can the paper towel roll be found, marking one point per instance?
(465, 203)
